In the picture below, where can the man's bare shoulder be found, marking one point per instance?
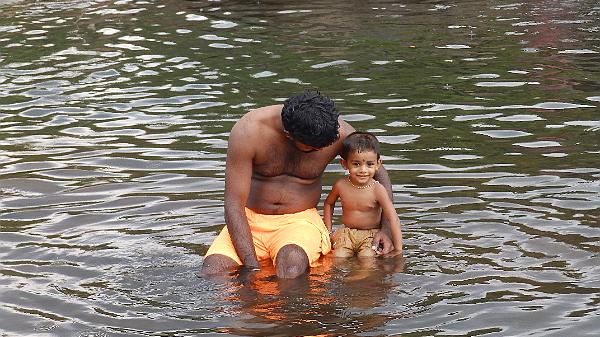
(258, 121)
(345, 129)
(264, 112)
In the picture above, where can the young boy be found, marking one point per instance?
(364, 200)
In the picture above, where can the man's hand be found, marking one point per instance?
(382, 244)
(245, 274)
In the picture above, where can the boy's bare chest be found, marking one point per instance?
(359, 199)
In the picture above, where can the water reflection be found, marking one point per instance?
(341, 297)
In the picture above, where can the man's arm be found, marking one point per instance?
(382, 242)
(390, 214)
(238, 178)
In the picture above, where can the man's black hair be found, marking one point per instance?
(311, 119)
(360, 142)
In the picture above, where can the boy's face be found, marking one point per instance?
(361, 166)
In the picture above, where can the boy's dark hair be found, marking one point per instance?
(311, 119)
(360, 142)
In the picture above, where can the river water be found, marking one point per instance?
(114, 118)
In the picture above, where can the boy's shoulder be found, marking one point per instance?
(380, 190)
(340, 184)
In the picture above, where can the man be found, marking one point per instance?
(276, 157)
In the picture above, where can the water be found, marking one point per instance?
(114, 119)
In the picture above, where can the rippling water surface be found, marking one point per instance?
(114, 118)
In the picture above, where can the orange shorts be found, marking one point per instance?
(271, 232)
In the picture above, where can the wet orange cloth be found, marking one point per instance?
(271, 232)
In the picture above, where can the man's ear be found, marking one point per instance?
(288, 135)
(344, 163)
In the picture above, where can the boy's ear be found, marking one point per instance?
(379, 162)
(343, 163)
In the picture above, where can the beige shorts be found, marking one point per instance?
(350, 242)
(271, 232)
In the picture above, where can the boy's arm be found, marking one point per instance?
(328, 207)
(390, 214)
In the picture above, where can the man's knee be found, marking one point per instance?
(217, 264)
(291, 261)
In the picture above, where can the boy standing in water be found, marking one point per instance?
(364, 200)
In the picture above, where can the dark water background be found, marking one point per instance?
(114, 117)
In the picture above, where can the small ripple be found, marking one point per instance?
(195, 17)
(35, 215)
(358, 117)
(592, 125)
(222, 46)
(401, 139)
(458, 157)
(385, 100)
(331, 64)
(454, 46)
(525, 181)
(539, 144)
(503, 133)
(223, 24)
(478, 76)
(520, 118)
(263, 74)
(483, 175)
(578, 51)
(77, 174)
(123, 202)
(212, 37)
(33, 186)
(108, 31)
(504, 84)
(127, 46)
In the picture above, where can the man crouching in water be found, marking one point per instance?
(276, 157)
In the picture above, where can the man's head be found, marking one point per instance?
(311, 119)
(359, 142)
